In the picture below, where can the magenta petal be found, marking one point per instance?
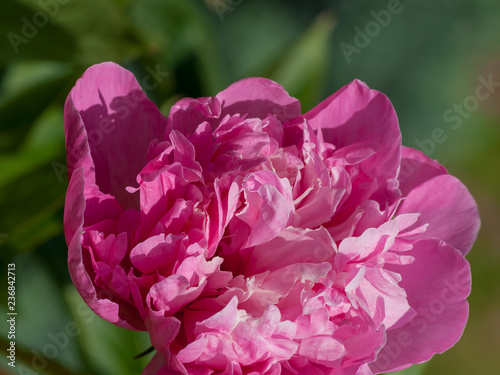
(172, 293)
(157, 252)
(111, 106)
(249, 239)
(437, 284)
(223, 321)
(447, 206)
(74, 206)
(416, 168)
(357, 114)
(157, 366)
(112, 249)
(258, 97)
(73, 219)
(187, 114)
(162, 331)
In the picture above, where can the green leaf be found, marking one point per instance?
(303, 69)
(34, 210)
(30, 33)
(44, 325)
(179, 32)
(99, 28)
(252, 38)
(43, 144)
(31, 193)
(22, 103)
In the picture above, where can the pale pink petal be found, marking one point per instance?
(383, 284)
(223, 321)
(269, 207)
(323, 350)
(292, 245)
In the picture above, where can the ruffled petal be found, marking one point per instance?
(258, 97)
(357, 114)
(293, 245)
(100, 301)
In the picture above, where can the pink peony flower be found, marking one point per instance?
(248, 238)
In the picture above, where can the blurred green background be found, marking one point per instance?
(429, 58)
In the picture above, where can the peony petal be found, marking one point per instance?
(416, 168)
(162, 331)
(104, 108)
(269, 207)
(173, 293)
(112, 249)
(258, 97)
(157, 366)
(437, 284)
(447, 206)
(187, 114)
(249, 239)
(357, 114)
(323, 350)
(100, 302)
(224, 321)
(292, 245)
(383, 284)
(155, 253)
(371, 243)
